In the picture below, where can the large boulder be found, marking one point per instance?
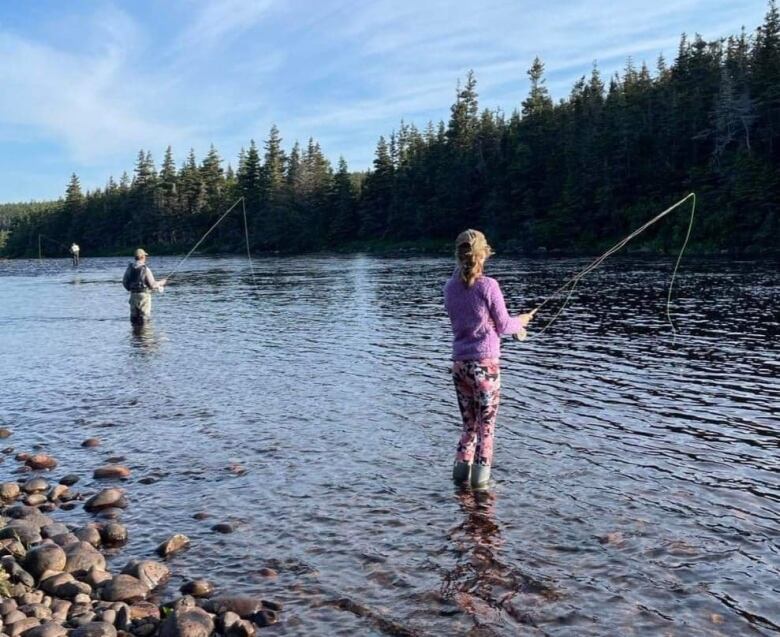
(124, 588)
(82, 556)
(47, 557)
(192, 622)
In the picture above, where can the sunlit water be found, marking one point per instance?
(637, 477)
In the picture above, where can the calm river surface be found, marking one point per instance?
(637, 478)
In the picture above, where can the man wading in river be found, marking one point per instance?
(139, 281)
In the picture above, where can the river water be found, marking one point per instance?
(637, 476)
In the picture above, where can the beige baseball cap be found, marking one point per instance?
(140, 253)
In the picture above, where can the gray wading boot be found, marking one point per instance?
(480, 476)
(461, 472)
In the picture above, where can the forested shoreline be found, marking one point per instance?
(567, 177)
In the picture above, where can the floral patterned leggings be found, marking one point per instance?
(478, 385)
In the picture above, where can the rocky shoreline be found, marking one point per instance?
(54, 579)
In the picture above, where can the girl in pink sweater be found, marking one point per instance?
(479, 318)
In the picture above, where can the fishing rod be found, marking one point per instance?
(571, 283)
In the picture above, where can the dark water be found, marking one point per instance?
(637, 478)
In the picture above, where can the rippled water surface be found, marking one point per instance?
(637, 477)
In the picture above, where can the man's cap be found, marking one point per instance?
(140, 253)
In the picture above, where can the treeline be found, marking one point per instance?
(569, 176)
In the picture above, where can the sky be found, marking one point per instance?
(85, 84)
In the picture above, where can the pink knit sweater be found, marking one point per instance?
(478, 316)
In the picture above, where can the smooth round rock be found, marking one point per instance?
(69, 480)
(9, 491)
(240, 605)
(5, 433)
(41, 462)
(35, 499)
(173, 544)
(17, 628)
(114, 533)
(82, 557)
(35, 485)
(151, 573)
(106, 498)
(223, 527)
(91, 442)
(49, 629)
(124, 588)
(193, 622)
(198, 588)
(22, 531)
(94, 629)
(111, 471)
(95, 577)
(89, 534)
(47, 557)
(144, 610)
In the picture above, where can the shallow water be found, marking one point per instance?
(637, 476)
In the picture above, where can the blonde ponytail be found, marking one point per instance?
(471, 250)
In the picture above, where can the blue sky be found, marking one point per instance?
(85, 84)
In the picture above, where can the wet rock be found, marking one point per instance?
(17, 628)
(115, 459)
(145, 629)
(49, 629)
(241, 628)
(22, 456)
(68, 506)
(114, 533)
(82, 557)
(111, 471)
(22, 531)
(144, 610)
(95, 629)
(201, 515)
(35, 499)
(173, 544)
(5, 433)
(89, 534)
(122, 621)
(267, 572)
(9, 491)
(29, 515)
(23, 469)
(124, 588)
(193, 622)
(265, 617)
(274, 606)
(69, 480)
(41, 462)
(8, 451)
(226, 620)
(241, 605)
(65, 539)
(35, 485)
(91, 442)
(53, 530)
(59, 492)
(198, 588)
(106, 498)
(95, 577)
(111, 513)
(47, 557)
(151, 573)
